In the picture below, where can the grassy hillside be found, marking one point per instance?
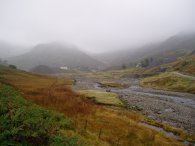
(184, 65)
(161, 53)
(23, 123)
(93, 124)
(170, 81)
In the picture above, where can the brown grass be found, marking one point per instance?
(118, 127)
(48, 91)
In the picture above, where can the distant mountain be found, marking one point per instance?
(164, 52)
(55, 55)
(8, 50)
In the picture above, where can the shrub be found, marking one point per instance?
(23, 123)
(13, 66)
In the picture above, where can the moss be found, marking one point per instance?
(100, 97)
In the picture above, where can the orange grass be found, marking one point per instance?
(119, 127)
(48, 91)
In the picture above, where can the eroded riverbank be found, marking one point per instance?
(173, 108)
(176, 109)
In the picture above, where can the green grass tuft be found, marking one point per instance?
(23, 123)
(101, 97)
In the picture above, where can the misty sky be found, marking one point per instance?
(94, 25)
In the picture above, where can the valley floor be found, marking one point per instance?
(173, 108)
(102, 125)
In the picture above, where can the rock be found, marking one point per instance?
(136, 108)
(169, 110)
(139, 108)
(152, 117)
(108, 90)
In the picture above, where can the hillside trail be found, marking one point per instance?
(183, 75)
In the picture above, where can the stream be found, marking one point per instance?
(136, 89)
(180, 99)
(173, 108)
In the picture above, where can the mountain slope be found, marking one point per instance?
(164, 52)
(54, 55)
(185, 65)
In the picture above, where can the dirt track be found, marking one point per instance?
(185, 76)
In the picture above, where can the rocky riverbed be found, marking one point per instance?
(174, 108)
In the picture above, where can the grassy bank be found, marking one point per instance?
(100, 97)
(112, 84)
(171, 82)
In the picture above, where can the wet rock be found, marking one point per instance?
(169, 110)
(108, 90)
(152, 117)
(137, 108)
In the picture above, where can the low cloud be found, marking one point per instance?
(94, 26)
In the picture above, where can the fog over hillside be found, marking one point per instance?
(94, 26)
(8, 49)
(55, 55)
(160, 52)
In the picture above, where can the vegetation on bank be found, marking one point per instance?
(23, 123)
(112, 84)
(182, 135)
(170, 81)
(184, 65)
(100, 97)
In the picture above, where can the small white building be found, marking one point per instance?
(138, 65)
(64, 68)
